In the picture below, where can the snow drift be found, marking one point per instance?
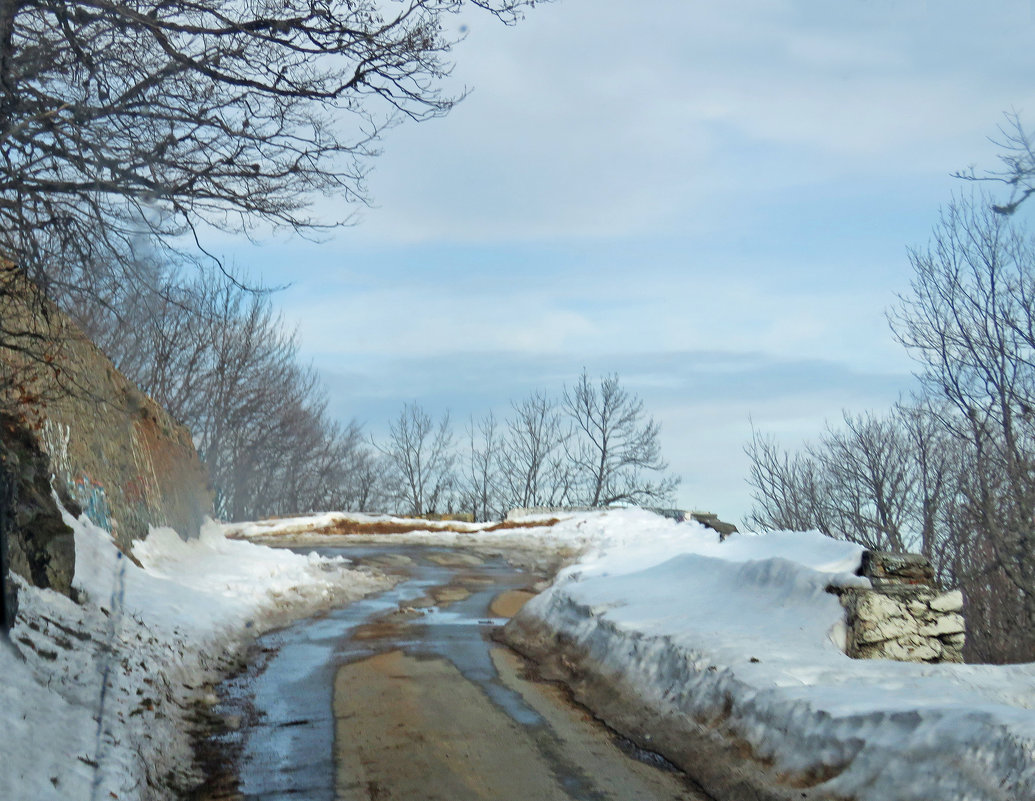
(96, 697)
(733, 652)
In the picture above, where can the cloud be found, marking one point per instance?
(712, 199)
(628, 302)
(590, 120)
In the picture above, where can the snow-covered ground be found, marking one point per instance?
(739, 635)
(94, 697)
(743, 636)
(328, 521)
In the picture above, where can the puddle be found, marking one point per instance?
(282, 742)
(284, 745)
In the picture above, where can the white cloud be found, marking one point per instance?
(592, 119)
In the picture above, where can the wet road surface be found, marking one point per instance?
(406, 696)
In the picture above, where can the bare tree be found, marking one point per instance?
(939, 464)
(153, 120)
(535, 463)
(1018, 165)
(887, 482)
(953, 476)
(220, 360)
(368, 485)
(481, 469)
(614, 445)
(420, 454)
(970, 322)
(160, 336)
(870, 475)
(789, 490)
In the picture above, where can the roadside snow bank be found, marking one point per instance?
(96, 697)
(733, 650)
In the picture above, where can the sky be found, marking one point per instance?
(714, 200)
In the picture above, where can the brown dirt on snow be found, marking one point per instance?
(346, 527)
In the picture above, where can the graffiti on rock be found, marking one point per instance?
(90, 495)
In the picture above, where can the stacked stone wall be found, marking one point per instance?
(905, 616)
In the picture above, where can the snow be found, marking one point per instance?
(745, 631)
(746, 628)
(307, 524)
(96, 696)
(741, 633)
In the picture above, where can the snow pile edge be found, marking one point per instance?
(753, 713)
(98, 696)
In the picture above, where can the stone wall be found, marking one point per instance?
(905, 616)
(70, 421)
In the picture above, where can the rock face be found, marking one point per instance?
(39, 546)
(905, 616)
(70, 421)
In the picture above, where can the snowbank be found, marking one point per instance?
(739, 644)
(724, 656)
(95, 697)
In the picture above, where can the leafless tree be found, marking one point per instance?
(480, 490)
(871, 479)
(534, 462)
(939, 465)
(1018, 165)
(954, 475)
(367, 483)
(970, 322)
(154, 120)
(887, 482)
(218, 358)
(420, 454)
(161, 336)
(614, 445)
(789, 490)
(129, 129)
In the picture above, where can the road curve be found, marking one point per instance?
(425, 706)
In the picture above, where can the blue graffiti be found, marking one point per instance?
(91, 497)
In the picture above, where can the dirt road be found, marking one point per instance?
(409, 699)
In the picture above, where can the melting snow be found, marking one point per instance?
(95, 696)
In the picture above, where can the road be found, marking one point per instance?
(407, 697)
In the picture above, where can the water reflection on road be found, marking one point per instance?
(284, 701)
(421, 710)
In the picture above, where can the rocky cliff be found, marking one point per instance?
(72, 422)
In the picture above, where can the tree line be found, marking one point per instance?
(219, 358)
(130, 130)
(951, 472)
(593, 445)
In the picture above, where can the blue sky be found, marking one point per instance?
(712, 199)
